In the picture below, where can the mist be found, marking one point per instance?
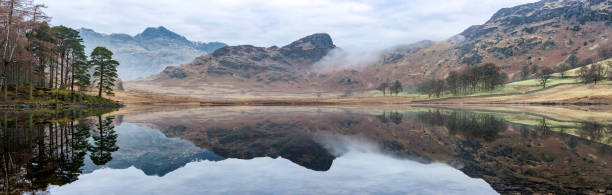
(338, 145)
(340, 59)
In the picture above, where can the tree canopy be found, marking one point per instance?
(105, 69)
(480, 78)
(37, 55)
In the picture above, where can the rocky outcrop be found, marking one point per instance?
(309, 49)
(259, 64)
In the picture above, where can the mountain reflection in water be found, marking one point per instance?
(306, 150)
(356, 171)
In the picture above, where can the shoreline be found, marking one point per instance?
(188, 101)
(150, 99)
(128, 98)
(65, 106)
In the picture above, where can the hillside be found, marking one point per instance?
(148, 52)
(560, 90)
(541, 34)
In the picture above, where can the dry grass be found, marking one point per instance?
(207, 94)
(565, 94)
(134, 98)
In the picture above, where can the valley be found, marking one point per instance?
(306, 97)
(521, 41)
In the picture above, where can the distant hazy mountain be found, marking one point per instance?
(148, 52)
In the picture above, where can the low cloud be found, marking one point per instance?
(339, 59)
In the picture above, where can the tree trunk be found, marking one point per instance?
(51, 72)
(30, 80)
(5, 62)
(41, 73)
(68, 70)
(72, 81)
(101, 80)
(61, 71)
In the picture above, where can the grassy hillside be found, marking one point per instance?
(561, 91)
(574, 72)
(512, 88)
(567, 89)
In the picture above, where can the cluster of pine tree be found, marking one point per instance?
(395, 87)
(37, 56)
(476, 79)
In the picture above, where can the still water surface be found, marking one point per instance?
(302, 150)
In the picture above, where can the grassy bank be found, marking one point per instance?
(53, 98)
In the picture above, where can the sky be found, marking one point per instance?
(357, 24)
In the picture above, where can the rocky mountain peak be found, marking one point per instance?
(159, 32)
(257, 64)
(318, 41)
(313, 47)
(89, 32)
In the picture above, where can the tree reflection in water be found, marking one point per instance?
(594, 131)
(391, 116)
(105, 142)
(42, 149)
(470, 124)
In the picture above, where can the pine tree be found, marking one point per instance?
(105, 142)
(452, 81)
(396, 87)
(105, 69)
(383, 87)
(81, 76)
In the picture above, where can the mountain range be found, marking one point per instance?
(541, 34)
(149, 52)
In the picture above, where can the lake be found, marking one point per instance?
(308, 150)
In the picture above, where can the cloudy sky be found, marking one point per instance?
(366, 24)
